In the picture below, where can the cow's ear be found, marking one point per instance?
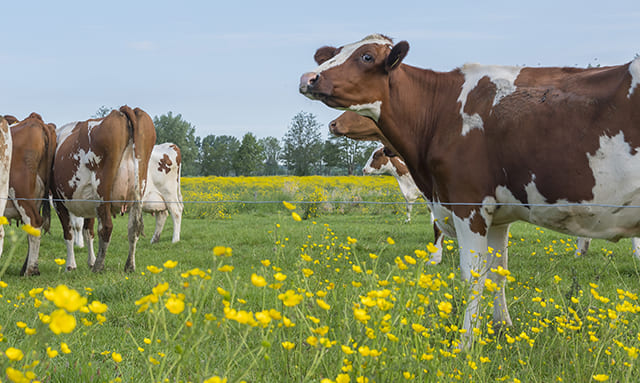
(397, 54)
(325, 53)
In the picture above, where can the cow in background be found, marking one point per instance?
(99, 171)
(162, 197)
(487, 145)
(5, 168)
(34, 144)
(384, 161)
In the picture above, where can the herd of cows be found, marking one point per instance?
(97, 168)
(491, 145)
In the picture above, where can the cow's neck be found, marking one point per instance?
(419, 101)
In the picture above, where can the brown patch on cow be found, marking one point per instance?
(11, 119)
(401, 167)
(165, 164)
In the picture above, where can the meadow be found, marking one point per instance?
(312, 292)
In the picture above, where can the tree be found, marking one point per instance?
(102, 112)
(302, 150)
(347, 154)
(217, 155)
(272, 153)
(249, 156)
(170, 128)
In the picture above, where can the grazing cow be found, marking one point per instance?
(5, 169)
(384, 161)
(34, 144)
(100, 170)
(491, 145)
(161, 198)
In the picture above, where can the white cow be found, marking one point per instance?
(162, 196)
(384, 161)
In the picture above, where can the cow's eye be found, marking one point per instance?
(367, 58)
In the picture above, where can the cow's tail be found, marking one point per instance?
(143, 135)
(50, 141)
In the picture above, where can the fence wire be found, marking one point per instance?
(350, 202)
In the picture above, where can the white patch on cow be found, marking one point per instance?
(614, 168)
(63, 132)
(368, 110)
(348, 50)
(85, 184)
(634, 70)
(503, 77)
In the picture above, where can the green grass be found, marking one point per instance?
(219, 345)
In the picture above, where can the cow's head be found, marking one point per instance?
(378, 162)
(352, 125)
(355, 76)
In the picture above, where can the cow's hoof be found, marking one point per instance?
(71, 268)
(30, 272)
(129, 268)
(155, 240)
(97, 268)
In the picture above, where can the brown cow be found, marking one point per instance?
(490, 145)
(100, 170)
(34, 144)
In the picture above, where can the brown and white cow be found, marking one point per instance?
(385, 161)
(162, 197)
(491, 145)
(5, 168)
(99, 171)
(34, 144)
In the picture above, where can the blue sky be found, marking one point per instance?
(233, 67)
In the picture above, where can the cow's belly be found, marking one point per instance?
(85, 199)
(153, 202)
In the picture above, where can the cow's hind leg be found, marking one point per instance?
(30, 266)
(105, 227)
(88, 236)
(134, 229)
(175, 209)
(497, 270)
(583, 246)
(161, 218)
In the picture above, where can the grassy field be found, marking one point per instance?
(345, 296)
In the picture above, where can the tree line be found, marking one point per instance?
(301, 151)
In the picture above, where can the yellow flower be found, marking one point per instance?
(66, 298)
(16, 375)
(288, 345)
(222, 250)
(159, 289)
(51, 353)
(174, 305)
(225, 268)
(14, 354)
(288, 205)
(290, 298)
(215, 379)
(169, 264)
(322, 304)
(600, 377)
(279, 277)
(61, 322)
(97, 307)
(347, 350)
(153, 269)
(4, 220)
(296, 216)
(257, 280)
(31, 230)
(312, 340)
(390, 241)
(60, 261)
(432, 248)
(445, 307)
(116, 357)
(343, 378)
(307, 272)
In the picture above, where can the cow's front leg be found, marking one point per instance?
(497, 271)
(161, 218)
(67, 232)
(105, 227)
(88, 235)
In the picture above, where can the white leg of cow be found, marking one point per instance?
(175, 209)
(161, 218)
(30, 266)
(76, 226)
(436, 257)
(583, 246)
(635, 246)
(134, 229)
(105, 227)
(71, 257)
(498, 240)
(473, 254)
(409, 207)
(88, 243)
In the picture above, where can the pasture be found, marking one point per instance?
(345, 294)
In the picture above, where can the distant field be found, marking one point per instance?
(341, 296)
